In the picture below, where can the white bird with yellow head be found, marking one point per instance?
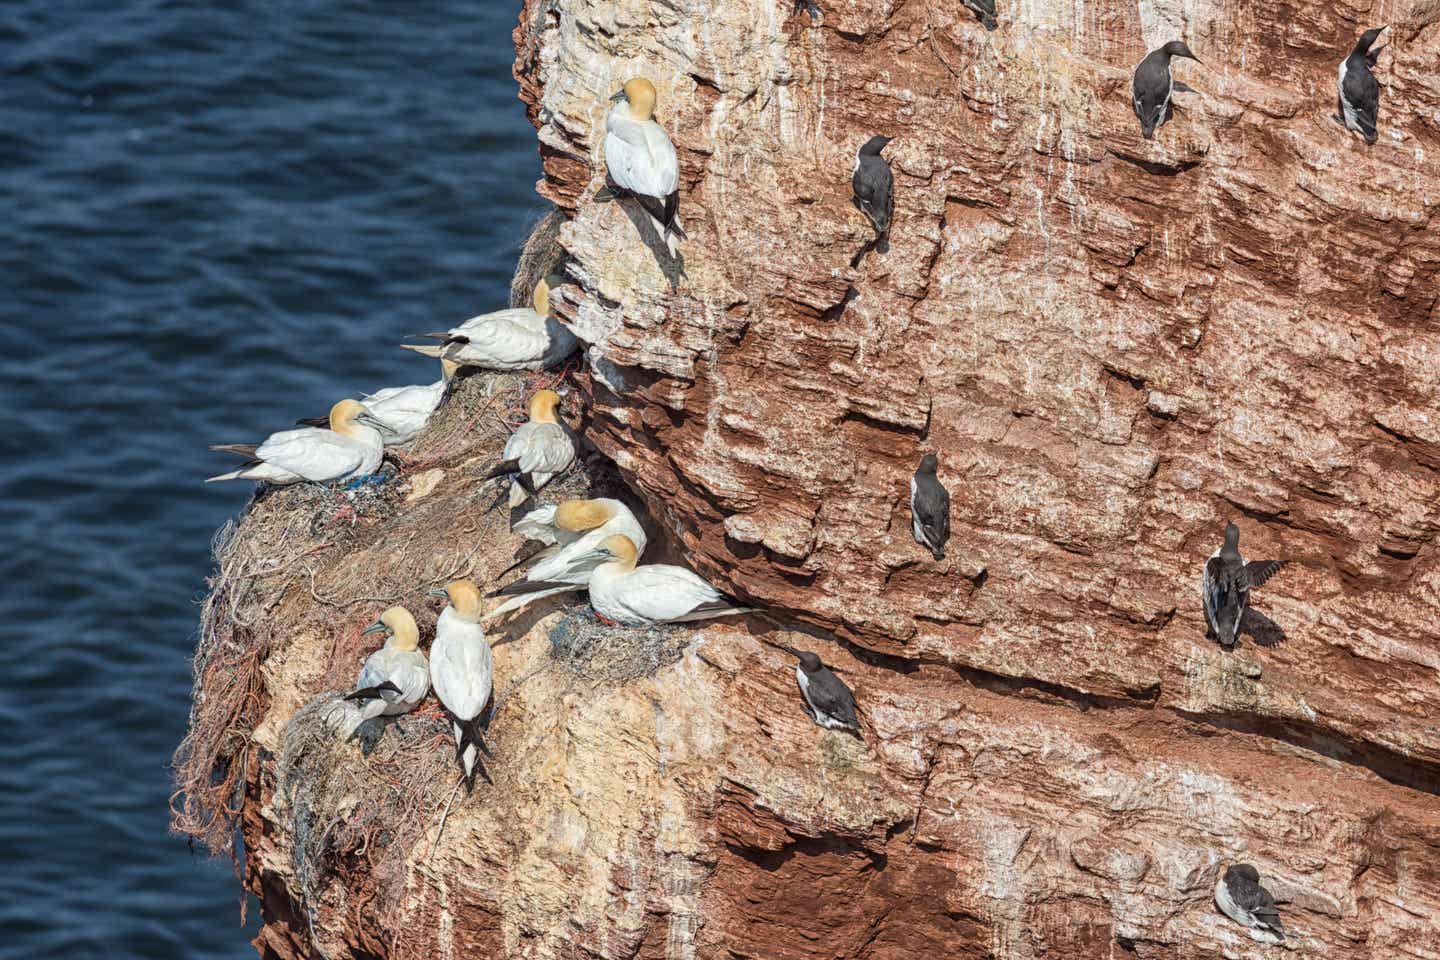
(517, 338)
(574, 529)
(462, 670)
(537, 451)
(640, 157)
(351, 447)
(638, 596)
(393, 680)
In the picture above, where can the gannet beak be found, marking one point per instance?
(619, 96)
(376, 627)
(367, 419)
(437, 592)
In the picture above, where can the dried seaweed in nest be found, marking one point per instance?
(539, 257)
(586, 647)
(343, 807)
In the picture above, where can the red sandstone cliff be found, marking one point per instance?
(1114, 345)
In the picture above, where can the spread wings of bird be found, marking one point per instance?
(1258, 571)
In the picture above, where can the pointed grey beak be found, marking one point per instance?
(376, 627)
(380, 425)
(437, 592)
(619, 96)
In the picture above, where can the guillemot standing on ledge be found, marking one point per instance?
(1240, 897)
(1359, 91)
(1153, 86)
(1225, 587)
(929, 507)
(874, 184)
(828, 700)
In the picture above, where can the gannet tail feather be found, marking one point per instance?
(246, 450)
(313, 422)
(711, 610)
(373, 693)
(521, 587)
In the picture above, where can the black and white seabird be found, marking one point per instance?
(828, 699)
(929, 507)
(874, 184)
(462, 672)
(1225, 588)
(1153, 86)
(984, 10)
(1240, 897)
(1359, 91)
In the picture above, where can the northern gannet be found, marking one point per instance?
(640, 157)
(874, 184)
(1225, 586)
(1359, 91)
(395, 678)
(929, 507)
(517, 338)
(655, 593)
(1153, 86)
(352, 447)
(574, 529)
(1240, 897)
(403, 410)
(462, 670)
(828, 699)
(541, 448)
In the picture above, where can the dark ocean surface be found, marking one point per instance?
(217, 218)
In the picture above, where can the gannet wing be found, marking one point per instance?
(667, 593)
(312, 454)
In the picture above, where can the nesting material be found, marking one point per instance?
(581, 644)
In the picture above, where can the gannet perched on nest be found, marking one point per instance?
(518, 338)
(395, 678)
(574, 529)
(462, 670)
(351, 447)
(404, 411)
(655, 593)
(540, 449)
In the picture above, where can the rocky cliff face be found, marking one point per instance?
(1115, 346)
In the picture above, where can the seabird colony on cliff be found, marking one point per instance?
(595, 544)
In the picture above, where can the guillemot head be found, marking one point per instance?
(929, 463)
(1177, 48)
(874, 145)
(1362, 46)
(1242, 870)
(1232, 538)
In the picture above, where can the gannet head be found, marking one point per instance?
(347, 413)
(464, 598)
(619, 550)
(577, 515)
(448, 368)
(397, 622)
(543, 405)
(640, 94)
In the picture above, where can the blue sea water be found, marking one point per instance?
(216, 218)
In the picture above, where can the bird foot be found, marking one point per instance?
(605, 620)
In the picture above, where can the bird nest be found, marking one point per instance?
(583, 645)
(315, 561)
(365, 813)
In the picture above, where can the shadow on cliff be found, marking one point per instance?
(1261, 629)
(671, 265)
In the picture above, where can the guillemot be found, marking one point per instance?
(874, 184)
(1359, 96)
(1153, 86)
(1226, 584)
(1240, 897)
(929, 507)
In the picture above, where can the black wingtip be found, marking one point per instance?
(372, 693)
